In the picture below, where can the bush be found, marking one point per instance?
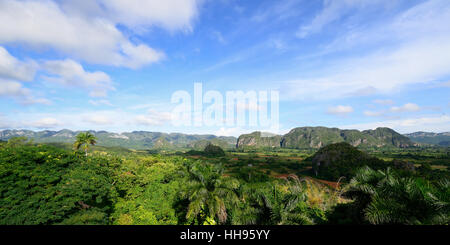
(213, 151)
(46, 185)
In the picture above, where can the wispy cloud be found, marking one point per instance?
(100, 102)
(418, 52)
(87, 30)
(409, 107)
(47, 122)
(334, 10)
(384, 102)
(374, 113)
(71, 73)
(432, 123)
(14, 69)
(154, 118)
(217, 35)
(278, 11)
(340, 110)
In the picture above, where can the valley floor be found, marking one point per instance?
(50, 184)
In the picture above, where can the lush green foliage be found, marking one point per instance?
(140, 140)
(383, 197)
(84, 139)
(210, 150)
(342, 160)
(44, 184)
(209, 193)
(316, 137)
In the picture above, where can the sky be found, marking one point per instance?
(114, 65)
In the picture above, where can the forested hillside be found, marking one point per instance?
(44, 184)
(441, 139)
(316, 137)
(133, 140)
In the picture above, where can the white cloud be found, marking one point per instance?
(247, 106)
(169, 14)
(153, 118)
(71, 119)
(32, 100)
(47, 122)
(281, 10)
(384, 102)
(333, 11)
(218, 36)
(99, 119)
(409, 107)
(16, 90)
(231, 131)
(12, 68)
(12, 73)
(413, 63)
(374, 113)
(71, 73)
(100, 102)
(340, 110)
(418, 52)
(11, 88)
(432, 123)
(94, 39)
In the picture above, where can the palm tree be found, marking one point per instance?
(384, 198)
(85, 139)
(208, 191)
(281, 206)
(248, 211)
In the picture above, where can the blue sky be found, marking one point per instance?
(114, 65)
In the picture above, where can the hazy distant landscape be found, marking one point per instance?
(306, 137)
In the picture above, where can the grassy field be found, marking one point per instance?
(279, 164)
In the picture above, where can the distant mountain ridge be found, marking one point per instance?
(297, 138)
(317, 137)
(133, 140)
(442, 139)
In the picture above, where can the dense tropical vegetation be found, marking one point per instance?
(54, 184)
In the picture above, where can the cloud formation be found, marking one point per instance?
(418, 53)
(334, 10)
(340, 110)
(87, 30)
(153, 118)
(169, 14)
(14, 69)
(71, 73)
(47, 122)
(431, 123)
(409, 107)
(384, 102)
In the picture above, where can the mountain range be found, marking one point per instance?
(132, 140)
(297, 138)
(442, 139)
(316, 137)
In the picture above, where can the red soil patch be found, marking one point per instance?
(295, 158)
(195, 157)
(284, 176)
(334, 185)
(331, 184)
